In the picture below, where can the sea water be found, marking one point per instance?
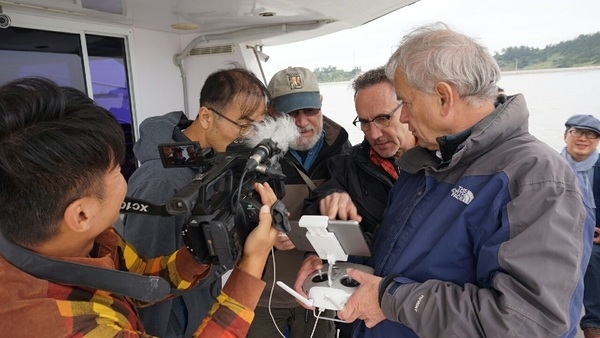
(552, 96)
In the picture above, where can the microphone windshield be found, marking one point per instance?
(282, 131)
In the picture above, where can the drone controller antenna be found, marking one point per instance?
(304, 300)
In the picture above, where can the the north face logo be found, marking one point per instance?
(294, 80)
(462, 194)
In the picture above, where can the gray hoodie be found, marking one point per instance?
(154, 235)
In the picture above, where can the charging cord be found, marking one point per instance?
(317, 316)
(316, 322)
(271, 293)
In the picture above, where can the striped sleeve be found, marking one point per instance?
(180, 268)
(233, 312)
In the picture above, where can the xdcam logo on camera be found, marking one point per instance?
(127, 206)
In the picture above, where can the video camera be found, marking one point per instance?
(221, 199)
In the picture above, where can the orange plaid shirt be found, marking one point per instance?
(32, 307)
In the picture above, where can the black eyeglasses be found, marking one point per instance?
(380, 121)
(588, 133)
(245, 129)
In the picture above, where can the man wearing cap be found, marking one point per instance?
(295, 91)
(582, 138)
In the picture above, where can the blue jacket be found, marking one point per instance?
(490, 244)
(596, 190)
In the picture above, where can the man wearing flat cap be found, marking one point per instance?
(295, 91)
(582, 137)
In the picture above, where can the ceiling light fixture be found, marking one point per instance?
(185, 26)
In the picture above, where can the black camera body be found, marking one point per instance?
(221, 199)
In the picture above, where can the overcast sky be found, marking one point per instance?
(496, 24)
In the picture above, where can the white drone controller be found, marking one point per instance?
(332, 289)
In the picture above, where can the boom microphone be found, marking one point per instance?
(271, 137)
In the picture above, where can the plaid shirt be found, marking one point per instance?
(32, 307)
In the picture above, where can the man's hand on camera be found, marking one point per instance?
(261, 239)
(310, 265)
(339, 205)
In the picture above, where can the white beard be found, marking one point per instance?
(303, 144)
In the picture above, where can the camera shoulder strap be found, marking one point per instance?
(311, 185)
(143, 288)
(131, 205)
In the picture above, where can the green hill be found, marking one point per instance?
(580, 52)
(332, 74)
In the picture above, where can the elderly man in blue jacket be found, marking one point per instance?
(581, 138)
(486, 233)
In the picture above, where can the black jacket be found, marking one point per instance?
(288, 262)
(367, 184)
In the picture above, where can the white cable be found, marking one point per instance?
(316, 321)
(271, 293)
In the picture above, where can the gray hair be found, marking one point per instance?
(370, 78)
(435, 53)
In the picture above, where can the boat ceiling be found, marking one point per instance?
(270, 21)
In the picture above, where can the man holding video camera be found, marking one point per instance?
(61, 193)
(230, 100)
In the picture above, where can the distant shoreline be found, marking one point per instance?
(547, 70)
(509, 72)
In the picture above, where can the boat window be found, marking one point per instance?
(110, 85)
(59, 56)
(32, 52)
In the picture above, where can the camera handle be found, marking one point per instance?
(279, 216)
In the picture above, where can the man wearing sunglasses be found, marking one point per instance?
(582, 137)
(295, 91)
(230, 100)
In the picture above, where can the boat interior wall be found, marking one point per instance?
(158, 80)
(196, 68)
(116, 11)
(208, 17)
(252, 33)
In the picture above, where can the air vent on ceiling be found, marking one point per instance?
(105, 6)
(224, 49)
